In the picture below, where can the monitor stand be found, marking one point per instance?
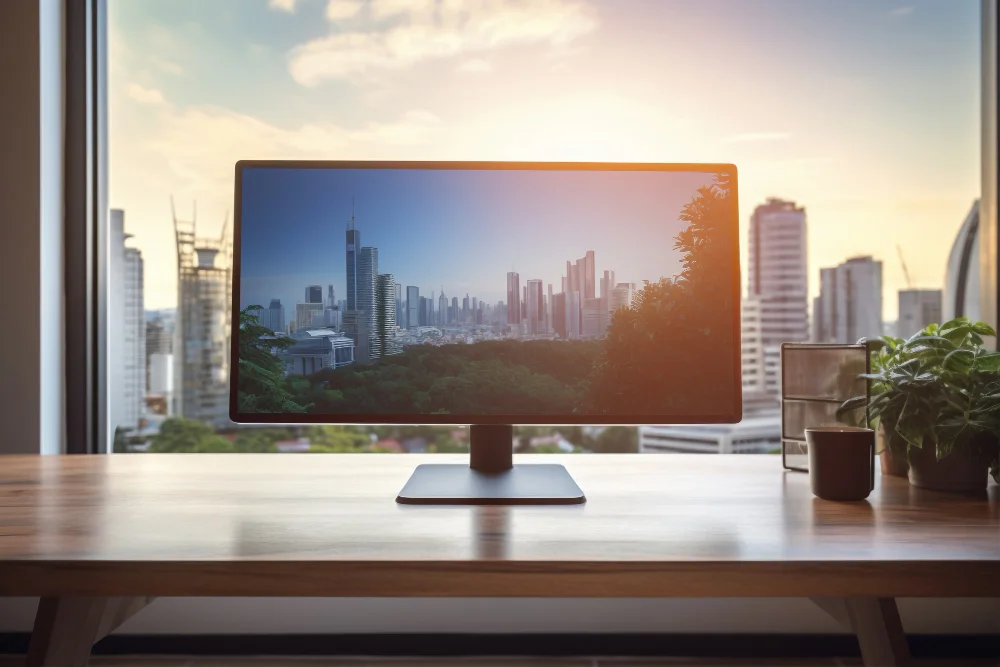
(491, 478)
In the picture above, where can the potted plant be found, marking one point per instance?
(936, 397)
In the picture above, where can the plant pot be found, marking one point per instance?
(890, 463)
(962, 471)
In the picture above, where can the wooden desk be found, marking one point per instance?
(97, 537)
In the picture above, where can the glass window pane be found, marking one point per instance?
(854, 126)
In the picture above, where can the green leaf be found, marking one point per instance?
(983, 329)
(989, 362)
(957, 335)
(959, 360)
(957, 322)
(875, 345)
(853, 403)
(910, 423)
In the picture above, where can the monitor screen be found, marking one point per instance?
(507, 293)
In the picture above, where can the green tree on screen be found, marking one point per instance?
(260, 387)
(658, 352)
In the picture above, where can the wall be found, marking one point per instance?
(31, 107)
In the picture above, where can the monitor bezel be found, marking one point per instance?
(730, 414)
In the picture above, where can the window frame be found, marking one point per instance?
(86, 216)
(85, 229)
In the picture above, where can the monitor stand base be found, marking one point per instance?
(458, 484)
(491, 478)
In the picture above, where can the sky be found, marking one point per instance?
(457, 230)
(866, 112)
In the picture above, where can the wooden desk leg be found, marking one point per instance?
(67, 628)
(876, 623)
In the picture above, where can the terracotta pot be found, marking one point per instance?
(962, 471)
(890, 463)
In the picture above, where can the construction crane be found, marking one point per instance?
(906, 273)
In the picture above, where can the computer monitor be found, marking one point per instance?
(489, 294)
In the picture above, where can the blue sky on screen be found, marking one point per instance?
(463, 230)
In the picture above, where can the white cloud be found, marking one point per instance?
(748, 137)
(904, 10)
(145, 95)
(201, 145)
(282, 5)
(422, 30)
(475, 66)
(385, 8)
(337, 10)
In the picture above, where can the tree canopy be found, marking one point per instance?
(671, 351)
(260, 385)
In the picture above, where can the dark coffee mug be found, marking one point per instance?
(841, 461)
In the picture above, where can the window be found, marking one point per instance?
(855, 126)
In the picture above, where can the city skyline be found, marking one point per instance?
(196, 86)
(424, 235)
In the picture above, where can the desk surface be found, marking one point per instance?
(328, 525)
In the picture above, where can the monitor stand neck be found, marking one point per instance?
(491, 448)
(490, 477)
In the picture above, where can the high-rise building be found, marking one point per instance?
(454, 309)
(423, 318)
(465, 308)
(127, 329)
(367, 271)
(442, 308)
(305, 314)
(400, 308)
(412, 307)
(475, 304)
(314, 294)
(385, 343)
(330, 318)
(760, 363)
(161, 380)
(513, 299)
(559, 315)
(917, 309)
(607, 285)
(589, 277)
(201, 342)
(592, 318)
(849, 305)
(573, 315)
(533, 304)
(621, 296)
(356, 328)
(273, 317)
(777, 273)
(548, 311)
(961, 280)
(159, 340)
(353, 248)
(331, 301)
(580, 277)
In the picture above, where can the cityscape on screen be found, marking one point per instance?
(407, 309)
